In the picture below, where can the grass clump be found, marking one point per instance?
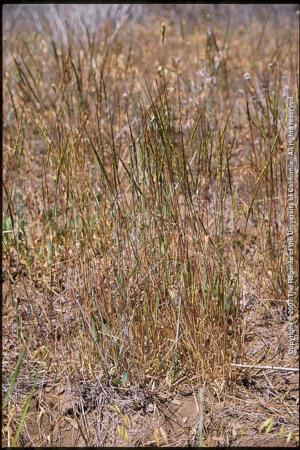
(144, 182)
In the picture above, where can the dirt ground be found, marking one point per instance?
(93, 413)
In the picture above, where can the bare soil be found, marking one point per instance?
(62, 414)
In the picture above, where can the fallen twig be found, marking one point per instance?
(246, 366)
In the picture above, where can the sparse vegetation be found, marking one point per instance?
(145, 206)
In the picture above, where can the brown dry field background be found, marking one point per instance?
(144, 225)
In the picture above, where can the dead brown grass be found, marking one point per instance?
(144, 201)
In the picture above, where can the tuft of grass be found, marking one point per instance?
(141, 194)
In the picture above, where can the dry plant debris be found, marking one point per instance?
(144, 226)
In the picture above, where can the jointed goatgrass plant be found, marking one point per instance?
(138, 193)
